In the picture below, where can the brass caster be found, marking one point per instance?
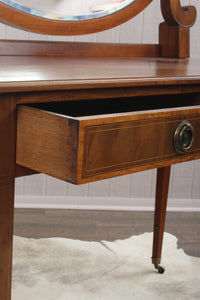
(160, 269)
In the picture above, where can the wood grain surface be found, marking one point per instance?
(47, 143)
(174, 41)
(176, 14)
(77, 49)
(85, 148)
(132, 144)
(27, 73)
(162, 186)
(7, 171)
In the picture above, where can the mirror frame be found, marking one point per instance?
(19, 19)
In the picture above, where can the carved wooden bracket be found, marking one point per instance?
(174, 33)
(175, 14)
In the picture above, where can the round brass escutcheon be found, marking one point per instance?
(183, 137)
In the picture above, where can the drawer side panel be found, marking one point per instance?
(47, 143)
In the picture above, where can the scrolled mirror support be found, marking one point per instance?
(175, 14)
(174, 33)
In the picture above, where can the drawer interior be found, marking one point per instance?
(118, 105)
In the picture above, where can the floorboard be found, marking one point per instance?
(106, 225)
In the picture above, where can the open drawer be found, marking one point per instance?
(82, 141)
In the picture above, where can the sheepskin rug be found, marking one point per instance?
(65, 269)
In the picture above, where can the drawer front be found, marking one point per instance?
(85, 149)
(133, 145)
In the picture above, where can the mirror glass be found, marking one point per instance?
(69, 10)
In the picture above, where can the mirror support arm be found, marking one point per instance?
(174, 33)
(177, 15)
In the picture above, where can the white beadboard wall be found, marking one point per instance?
(130, 192)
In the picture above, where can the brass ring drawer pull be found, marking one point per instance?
(183, 137)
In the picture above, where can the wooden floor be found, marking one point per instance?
(106, 225)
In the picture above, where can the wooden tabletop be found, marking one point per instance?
(32, 73)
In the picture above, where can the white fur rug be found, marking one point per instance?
(64, 269)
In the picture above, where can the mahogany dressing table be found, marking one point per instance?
(82, 112)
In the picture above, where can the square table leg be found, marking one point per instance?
(162, 186)
(7, 176)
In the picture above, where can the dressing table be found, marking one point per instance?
(85, 111)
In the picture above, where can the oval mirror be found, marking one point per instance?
(69, 10)
(69, 17)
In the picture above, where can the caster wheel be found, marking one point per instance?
(160, 269)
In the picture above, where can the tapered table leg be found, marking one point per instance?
(162, 186)
(7, 174)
